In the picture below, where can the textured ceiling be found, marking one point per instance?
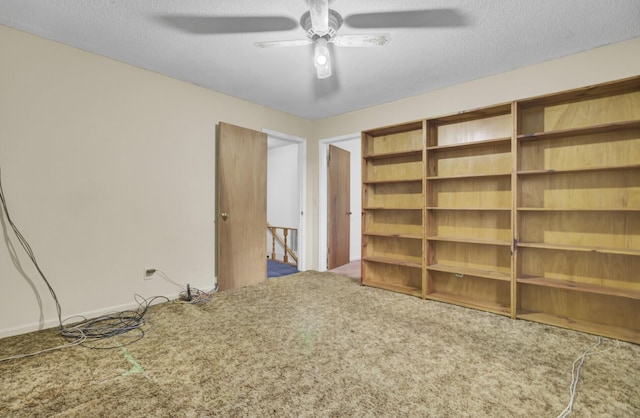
(195, 41)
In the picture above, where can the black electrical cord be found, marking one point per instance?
(191, 295)
(29, 252)
(194, 296)
(87, 329)
(112, 325)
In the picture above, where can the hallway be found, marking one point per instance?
(351, 269)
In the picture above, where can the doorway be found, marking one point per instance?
(286, 191)
(231, 269)
(349, 143)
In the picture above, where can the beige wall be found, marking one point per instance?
(591, 67)
(108, 168)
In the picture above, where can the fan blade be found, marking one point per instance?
(229, 24)
(360, 40)
(279, 44)
(408, 19)
(319, 10)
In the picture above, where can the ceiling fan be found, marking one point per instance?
(321, 25)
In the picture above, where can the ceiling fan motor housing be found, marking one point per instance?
(335, 21)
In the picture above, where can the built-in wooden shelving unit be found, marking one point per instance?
(578, 209)
(469, 209)
(393, 208)
(528, 209)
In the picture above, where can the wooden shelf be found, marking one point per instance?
(389, 208)
(467, 209)
(467, 271)
(469, 176)
(407, 180)
(610, 331)
(588, 130)
(601, 250)
(578, 170)
(580, 287)
(393, 287)
(393, 261)
(391, 235)
(471, 145)
(470, 303)
(471, 240)
(503, 109)
(395, 129)
(529, 209)
(417, 152)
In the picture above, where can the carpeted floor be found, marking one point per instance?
(319, 344)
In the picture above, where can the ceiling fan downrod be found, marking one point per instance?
(335, 21)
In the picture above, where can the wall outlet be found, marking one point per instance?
(148, 273)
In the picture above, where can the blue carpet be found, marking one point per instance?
(277, 269)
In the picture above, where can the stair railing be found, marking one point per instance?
(282, 240)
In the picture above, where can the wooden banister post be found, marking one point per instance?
(273, 243)
(285, 232)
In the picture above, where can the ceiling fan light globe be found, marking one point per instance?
(322, 58)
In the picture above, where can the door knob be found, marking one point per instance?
(224, 216)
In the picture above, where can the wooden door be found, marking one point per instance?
(339, 207)
(241, 222)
